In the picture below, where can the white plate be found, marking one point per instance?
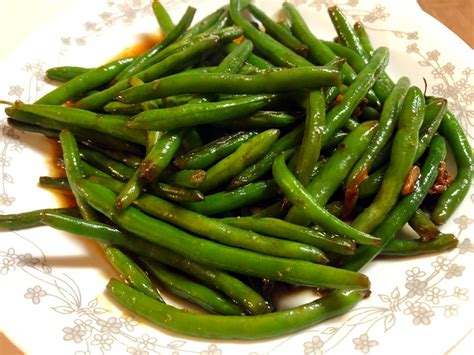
(52, 297)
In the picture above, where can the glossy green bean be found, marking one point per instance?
(84, 82)
(371, 185)
(65, 73)
(264, 164)
(190, 290)
(298, 195)
(387, 125)
(212, 152)
(163, 17)
(423, 226)
(113, 125)
(152, 166)
(284, 80)
(281, 229)
(245, 155)
(191, 179)
(361, 33)
(217, 230)
(308, 153)
(449, 200)
(220, 280)
(252, 59)
(235, 327)
(278, 32)
(402, 158)
(217, 255)
(150, 57)
(276, 52)
(31, 219)
(434, 113)
(130, 272)
(194, 114)
(355, 93)
(404, 209)
(204, 24)
(261, 120)
(401, 247)
(222, 202)
(336, 168)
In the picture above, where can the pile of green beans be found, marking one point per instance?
(228, 157)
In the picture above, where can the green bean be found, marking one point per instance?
(264, 164)
(462, 152)
(308, 153)
(59, 183)
(217, 230)
(191, 291)
(387, 124)
(150, 57)
(247, 195)
(113, 125)
(336, 168)
(25, 127)
(84, 82)
(130, 160)
(402, 158)
(260, 120)
(72, 167)
(384, 85)
(401, 247)
(31, 219)
(404, 209)
(222, 22)
(151, 167)
(252, 59)
(212, 152)
(246, 154)
(318, 50)
(336, 118)
(168, 65)
(192, 140)
(234, 327)
(423, 226)
(276, 210)
(186, 178)
(163, 18)
(335, 140)
(130, 272)
(281, 229)
(352, 57)
(369, 113)
(371, 185)
(435, 111)
(360, 32)
(283, 80)
(298, 195)
(278, 32)
(218, 255)
(220, 280)
(204, 24)
(194, 114)
(265, 44)
(350, 125)
(65, 73)
(236, 58)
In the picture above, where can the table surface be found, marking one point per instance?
(458, 15)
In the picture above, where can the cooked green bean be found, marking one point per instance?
(404, 209)
(360, 32)
(130, 272)
(193, 114)
(402, 158)
(277, 31)
(163, 18)
(264, 164)
(423, 226)
(276, 81)
(281, 229)
(261, 120)
(401, 247)
(220, 280)
(65, 73)
(212, 152)
(217, 230)
(204, 24)
(252, 59)
(191, 179)
(217, 255)
(247, 195)
(308, 153)
(235, 327)
(31, 219)
(298, 195)
(249, 152)
(190, 290)
(336, 168)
